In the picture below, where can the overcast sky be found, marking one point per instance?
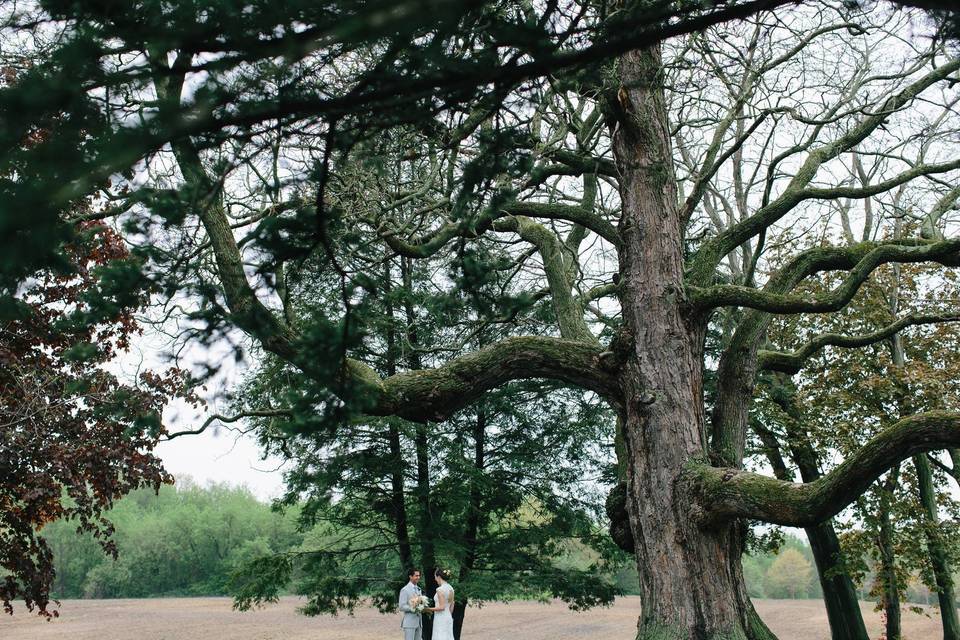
(222, 457)
(219, 454)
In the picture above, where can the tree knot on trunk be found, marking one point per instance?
(616, 508)
(644, 400)
(618, 351)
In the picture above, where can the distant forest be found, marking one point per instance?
(189, 539)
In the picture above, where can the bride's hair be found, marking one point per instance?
(442, 573)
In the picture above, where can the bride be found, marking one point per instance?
(443, 612)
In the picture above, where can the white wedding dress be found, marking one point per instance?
(443, 620)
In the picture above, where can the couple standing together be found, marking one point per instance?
(410, 605)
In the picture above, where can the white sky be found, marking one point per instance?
(219, 454)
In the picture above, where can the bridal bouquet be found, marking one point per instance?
(419, 604)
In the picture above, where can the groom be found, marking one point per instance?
(411, 623)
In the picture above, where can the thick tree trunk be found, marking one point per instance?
(691, 581)
(937, 551)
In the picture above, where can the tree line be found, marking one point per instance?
(192, 540)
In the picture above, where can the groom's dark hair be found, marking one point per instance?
(412, 571)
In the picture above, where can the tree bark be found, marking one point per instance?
(839, 593)
(398, 467)
(935, 547)
(428, 553)
(691, 580)
(475, 517)
(888, 570)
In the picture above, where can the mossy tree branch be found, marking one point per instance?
(433, 241)
(435, 394)
(860, 259)
(731, 493)
(568, 309)
(739, 361)
(792, 362)
(430, 394)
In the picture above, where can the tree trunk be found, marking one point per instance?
(428, 554)
(839, 593)
(935, 547)
(459, 611)
(397, 491)
(427, 548)
(691, 580)
(475, 517)
(888, 572)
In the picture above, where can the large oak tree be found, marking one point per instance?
(639, 195)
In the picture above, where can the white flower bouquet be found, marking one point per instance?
(419, 604)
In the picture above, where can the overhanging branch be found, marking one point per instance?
(732, 493)
(435, 394)
(268, 413)
(861, 260)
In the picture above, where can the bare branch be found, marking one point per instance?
(793, 362)
(221, 418)
(796, 191)
(861, 260)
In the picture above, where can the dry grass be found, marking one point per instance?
(213, 619)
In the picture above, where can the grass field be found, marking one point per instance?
(213, 619)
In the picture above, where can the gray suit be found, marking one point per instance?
(411, 623)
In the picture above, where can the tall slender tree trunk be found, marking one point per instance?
(427, 547)
(398, 467)
(937, 550)
(475, 517)
(691, 579)
(928, 499)
(428, 552)
(888, 571)
(839, 592)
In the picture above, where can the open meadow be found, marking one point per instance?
(213, 619)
